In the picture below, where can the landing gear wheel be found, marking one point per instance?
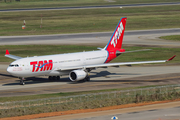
(84, 80)
(50, 77)
(54, 77)
(87, 78)
(22, 81)
(58, 77)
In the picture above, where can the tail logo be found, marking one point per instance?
(117, 35)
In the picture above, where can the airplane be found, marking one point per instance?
(76, 65)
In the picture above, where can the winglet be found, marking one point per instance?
(12, 56)
(171, 58)
(7, 52)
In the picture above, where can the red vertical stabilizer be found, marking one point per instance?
(115, 43)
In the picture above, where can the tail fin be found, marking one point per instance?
(117, 37)
(115, 43)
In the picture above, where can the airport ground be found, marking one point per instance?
(142, 111)
(88, 20)
(101, 78)
(110, 78)
(25, 5)
(158, 110)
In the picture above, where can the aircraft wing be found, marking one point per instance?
(12, 56)
(114, 64)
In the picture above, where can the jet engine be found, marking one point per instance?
(77, 75)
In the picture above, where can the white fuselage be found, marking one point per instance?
(51, 65)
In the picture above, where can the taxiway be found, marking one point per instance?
(100, 78)
(135, 37)
(91, 7)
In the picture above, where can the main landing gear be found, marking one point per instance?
(22, 81)
(54, 77)
(87, 78)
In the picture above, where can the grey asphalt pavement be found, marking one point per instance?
(110, 78)
(135, 37)
(91, 7)
(101, 78)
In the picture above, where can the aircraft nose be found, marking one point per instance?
(9, 70)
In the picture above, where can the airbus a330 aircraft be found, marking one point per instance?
(76, 65)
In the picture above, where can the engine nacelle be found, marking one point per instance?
(77, 75)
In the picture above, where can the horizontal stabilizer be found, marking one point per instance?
(137, 50)
(99, 48)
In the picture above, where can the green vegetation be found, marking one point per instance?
(171, 37)
(154, 54)
(90, 101)
(12, 4)
(88, 20)
(42, 96)
(31, 50)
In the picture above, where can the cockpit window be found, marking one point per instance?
(16, 65)
(12, 65)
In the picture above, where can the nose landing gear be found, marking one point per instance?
(22, 81)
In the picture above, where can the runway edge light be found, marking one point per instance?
(114, 118)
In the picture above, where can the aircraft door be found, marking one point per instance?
(84, 59)
(26, 66)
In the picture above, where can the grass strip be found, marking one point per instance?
(31, 50)
(88, 20)
(91, 103)
(12, 4)
(69, 112)
(171, 37)
(43, 96)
